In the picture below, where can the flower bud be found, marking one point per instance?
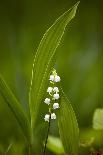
(55, 89)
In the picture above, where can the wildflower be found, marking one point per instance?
(56, 96)
(50, 89)
(57, 78)
(46, 118)
(55, 89)
(51, 78)
(53, 116)
(55, 106)
(47, 101)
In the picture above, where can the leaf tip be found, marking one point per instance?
(74, 9)
(76, 5)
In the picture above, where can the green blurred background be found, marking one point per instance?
(79, 63)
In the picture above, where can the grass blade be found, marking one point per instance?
(16, 108)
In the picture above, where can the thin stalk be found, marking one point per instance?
(30, 151)
(9, 147)
(46, 140)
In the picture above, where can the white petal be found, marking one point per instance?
(57, 78)
(53, 116)
(56, 96)
(51, 77)
(50, 89)
(47, 101)
(46, 118)
(55, 89)
(55, 106)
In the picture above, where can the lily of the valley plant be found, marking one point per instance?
(54, 96)
(55, 99)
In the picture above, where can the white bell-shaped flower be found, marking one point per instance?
(55, 106)
(51, 78)
(53, 116)
(57, 78)
(47, 101)
(46, 118)
(56, 96)
(55, 89)
(50, 89)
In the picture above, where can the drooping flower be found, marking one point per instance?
(50, 89)
(47, 101)
(57, 78)
(53, 116)
(56, 96)
(55, 106)
(55, 89)
(51, 78)
(46, 118)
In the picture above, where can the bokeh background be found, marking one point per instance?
(79, 63)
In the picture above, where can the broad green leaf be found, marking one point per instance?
(16, 109)
(98, 119)
(68, 126)
(55, 145)
(43, 61)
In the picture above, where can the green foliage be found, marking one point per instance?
(16, 108)
(44, 61)
(79, 63)
(55, 145)
(42, 66)
(98, 119)
(68, 126)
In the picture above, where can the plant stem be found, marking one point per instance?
(44, 153)
(29, 147)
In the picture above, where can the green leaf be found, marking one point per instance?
(98, 119)
(43, 61)
(68, 126)
(55, 145)
(16, 109)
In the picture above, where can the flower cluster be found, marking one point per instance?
(52, 101)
